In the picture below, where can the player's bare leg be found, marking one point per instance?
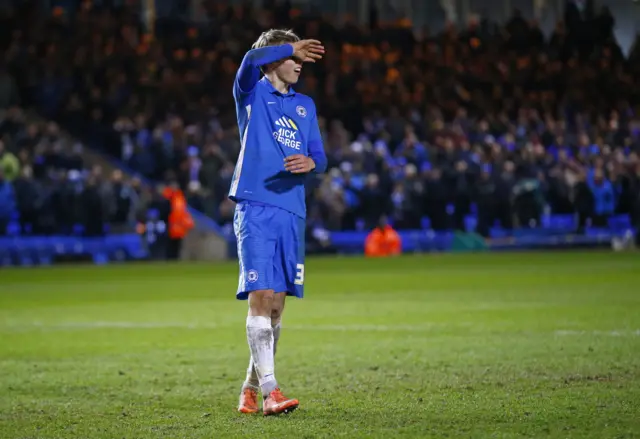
(276, 317)
(251, 384)
(260, 373)
(275, 402)
(263, 322)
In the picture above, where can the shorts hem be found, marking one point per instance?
(244, 295)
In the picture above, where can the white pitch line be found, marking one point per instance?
(612, 333)
(35, 326)
(181, 325)
(110, 325)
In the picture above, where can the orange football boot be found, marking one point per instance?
(248, 401)
(277, 403)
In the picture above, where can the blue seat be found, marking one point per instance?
(442, 241)
(498, 232)
(425, 223)
(6, 252)
(134, 247)
(23, 251)
(598, 231)
(31, 250)
(122, 247)
(560, 222)
(13, 228)
(349, 242)
(43, 250)
(619, 222)
(96, 248)
(470, 223)
(451, 209)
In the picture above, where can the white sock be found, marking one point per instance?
(252, 374)
(260, 338)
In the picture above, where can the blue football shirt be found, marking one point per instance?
(272, 126)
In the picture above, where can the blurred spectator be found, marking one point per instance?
(383, 241)
(28, 199)
(8, 89)
(152, 222)
(604, 197)
(436, 200)
(374, 201)
(583, 201)
(180, 220)
(7, 202)
(195, 196)
(9, 163)
(122, 200)
(93, 212)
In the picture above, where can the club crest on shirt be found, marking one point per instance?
(252, 276)
(302, 112)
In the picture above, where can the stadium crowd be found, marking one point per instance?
(47, 189)
(497, 122)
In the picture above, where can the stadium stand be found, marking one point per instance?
(52, 206)
(494, 130)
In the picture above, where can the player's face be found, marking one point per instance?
(289, 70)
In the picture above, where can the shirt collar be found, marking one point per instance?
(272, 89)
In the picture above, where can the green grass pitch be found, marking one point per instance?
(473, 346)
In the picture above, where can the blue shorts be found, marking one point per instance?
(270, 249)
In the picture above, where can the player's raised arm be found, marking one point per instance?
(249, 72)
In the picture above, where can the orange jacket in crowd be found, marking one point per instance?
(180, 220)
(383, 242)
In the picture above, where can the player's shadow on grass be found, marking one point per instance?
(283, 182)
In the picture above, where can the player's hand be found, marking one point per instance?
(299, 164)
(308, 50)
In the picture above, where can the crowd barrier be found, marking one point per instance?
(32, 250)
(555, 233)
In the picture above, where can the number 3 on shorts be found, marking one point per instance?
(299, 274)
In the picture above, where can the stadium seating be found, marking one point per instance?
(412, 241)
(28, 251)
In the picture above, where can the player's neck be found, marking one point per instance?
(278, 83)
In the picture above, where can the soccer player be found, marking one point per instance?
(280, 144)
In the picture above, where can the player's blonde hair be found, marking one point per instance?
(274, 37)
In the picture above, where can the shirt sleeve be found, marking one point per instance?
(249, 72)
(316, 147)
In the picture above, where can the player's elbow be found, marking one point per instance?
(249, 65)
(321, 164)
(251, 58)
(257, 57)
(320, 169)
